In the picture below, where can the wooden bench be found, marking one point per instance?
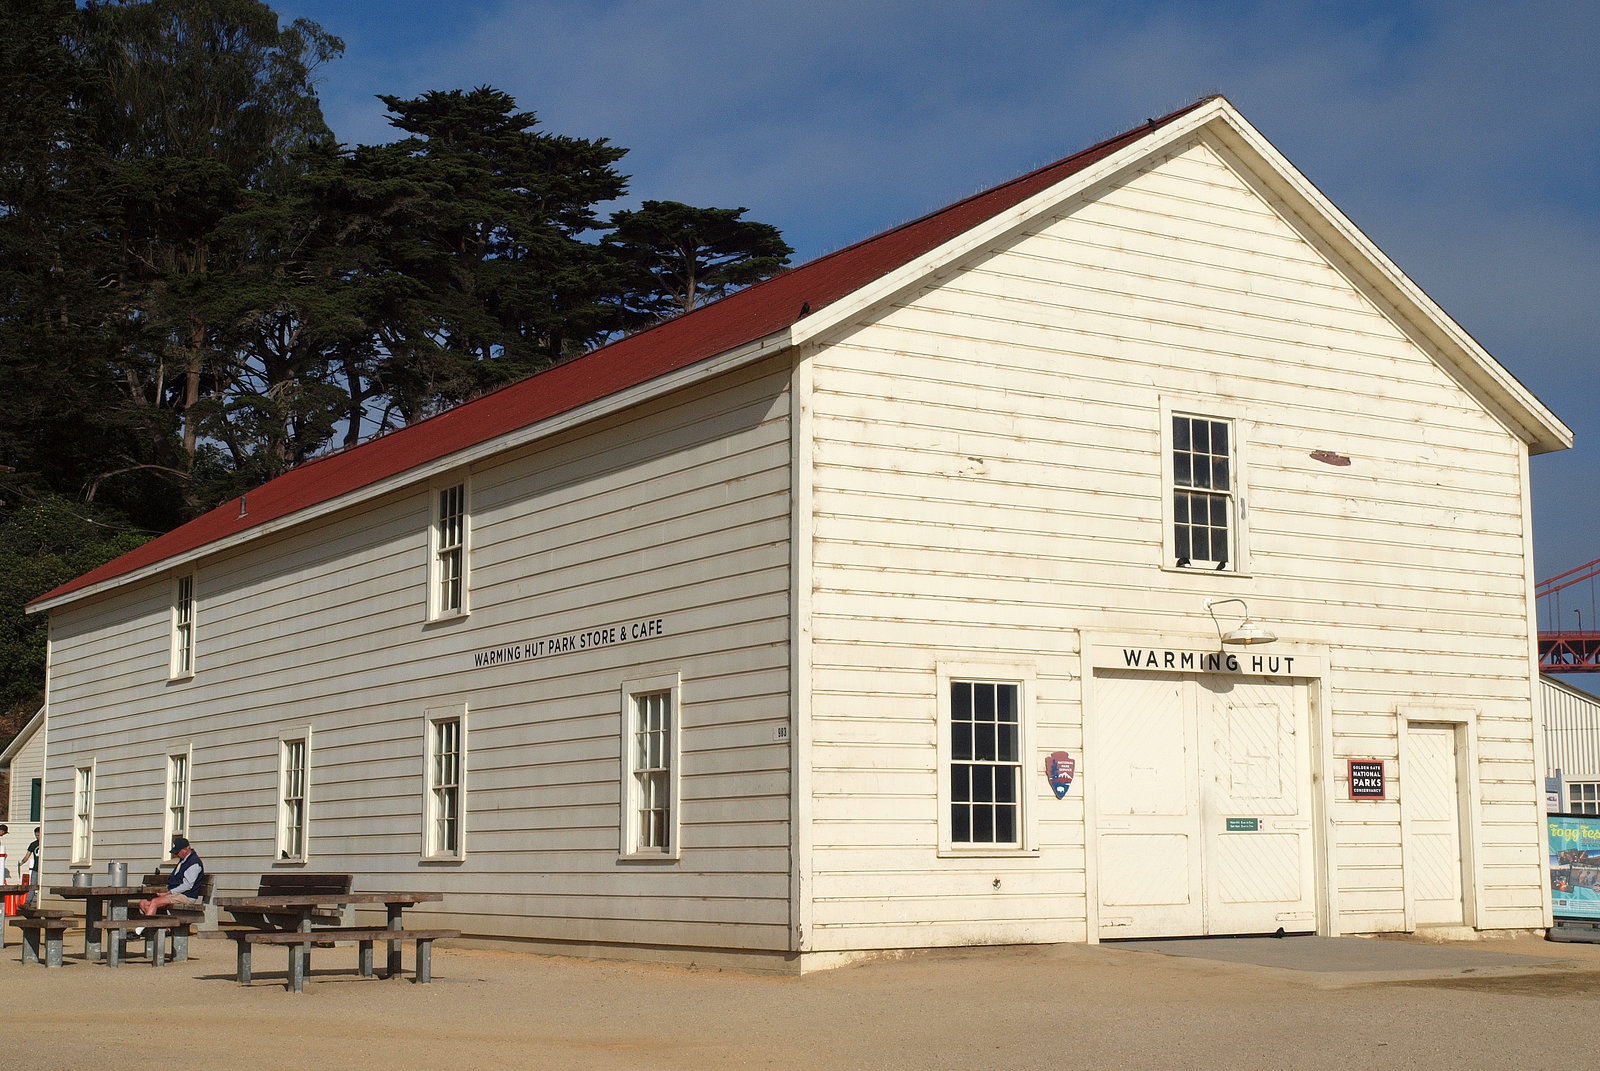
(46, 930)
(155, 927)
(299, 945)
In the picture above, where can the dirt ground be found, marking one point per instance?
(1056, 1007)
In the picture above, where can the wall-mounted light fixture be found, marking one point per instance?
(1248, 633)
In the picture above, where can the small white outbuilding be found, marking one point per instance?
(1127, 550)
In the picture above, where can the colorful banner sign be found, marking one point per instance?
(1574, 865)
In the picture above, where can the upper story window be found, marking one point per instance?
(448, 568)
(183, 627)
(1204, 509)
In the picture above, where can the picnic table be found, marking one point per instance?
(103, 902)
(304, 909)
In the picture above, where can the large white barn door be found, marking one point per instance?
(1202, 806)
(1260, 868)
(1431, 796)
(1147, 808)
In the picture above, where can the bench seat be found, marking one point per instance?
(155, 927)
(49, 932)
(299, 943)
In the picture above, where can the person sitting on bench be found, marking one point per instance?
(182, 883)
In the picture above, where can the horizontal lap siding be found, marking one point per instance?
(988, 482)
(678, 511)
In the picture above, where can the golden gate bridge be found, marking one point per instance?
(1563, 649)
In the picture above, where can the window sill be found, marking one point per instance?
(987, 852)
(648, 858)
(441, 860)
(180, 678)
(442, 620)
(298, 861)
(1201, 570)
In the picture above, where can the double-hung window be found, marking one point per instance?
(83, 815)
(182, 627)
(294, 796)
(444, 809)
(1204, 508)
(984, 736)
(448, 542)
(650, 719)
(177, 795)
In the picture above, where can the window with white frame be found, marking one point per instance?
(448, 577)
(650, 767)
(83, 815)
(294, 796)
(183, 627)
(984, 736)
(177, 795)
(1204, 499)
(1583, 797)
(444, 819)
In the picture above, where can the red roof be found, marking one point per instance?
(734, 321)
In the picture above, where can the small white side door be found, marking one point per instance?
(1430, 789)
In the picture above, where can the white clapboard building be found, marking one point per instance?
(1127, 550)
(1571, 747)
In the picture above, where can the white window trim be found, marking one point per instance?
(629, 828)
(185, 753)
(437, 611)
(1240, 434)
(1023, 676)
(84, 825)
(183, 634)
(286, 738)
(431, 718)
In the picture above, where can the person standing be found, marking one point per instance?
(182, 883)
(28, 867)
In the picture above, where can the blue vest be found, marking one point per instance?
(185, 877)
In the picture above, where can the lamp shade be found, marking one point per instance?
(1248, 634)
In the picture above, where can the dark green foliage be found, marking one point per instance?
(44, 542)
(199, 288)
(676, 257)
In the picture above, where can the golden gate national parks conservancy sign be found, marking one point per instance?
(588, 639)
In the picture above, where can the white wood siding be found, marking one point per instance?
(677, 511)
(1571, 731)
(988, 477)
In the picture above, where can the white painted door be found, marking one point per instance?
(1260, 866)
(1431, 790)
(1147, 808)
(1203, 806)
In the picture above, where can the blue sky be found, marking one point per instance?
(1463, 137)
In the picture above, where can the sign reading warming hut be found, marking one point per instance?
(567, 642)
